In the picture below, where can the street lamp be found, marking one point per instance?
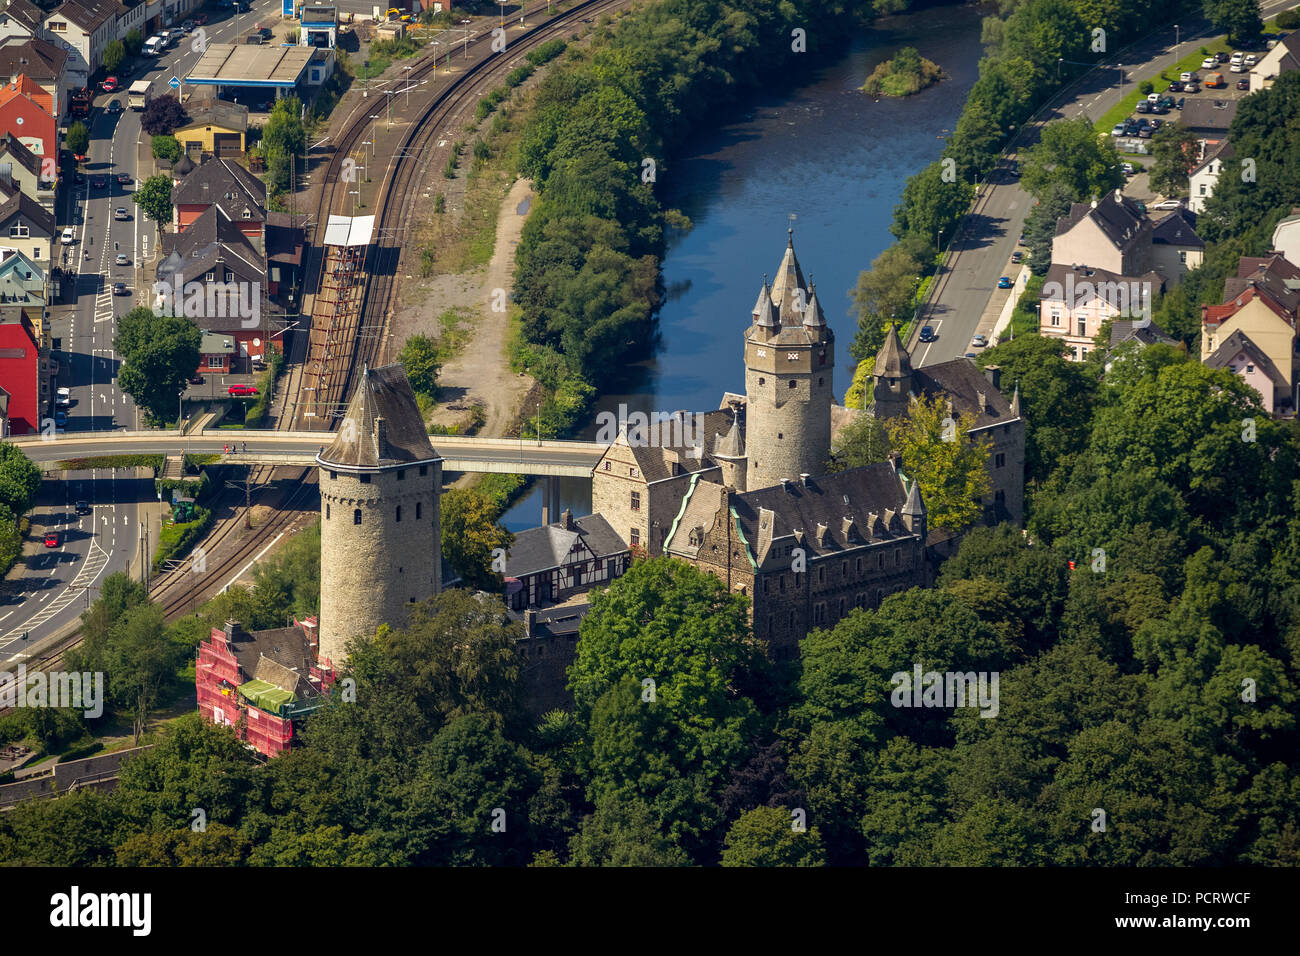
(1059, 61)
(1177, 42)
(1120, 67)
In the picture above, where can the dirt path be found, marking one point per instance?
(480, 373)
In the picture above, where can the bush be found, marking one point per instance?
(1288, 20)
(166, 147)
(1146, 87)
(176, 540)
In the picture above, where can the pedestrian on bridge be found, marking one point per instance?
(245, 448)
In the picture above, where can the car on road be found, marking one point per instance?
(68, 237)
(122, 259)
(1017, 256)
(242, 390)
(99, 182)
(1176, 86)
(1004, 282)
(114, 106)
(927, 333)
(60, 417)
(121, 215)
(1168, 204)
(979, 341)
(83, 507)
(79, 179)
(125, 179)
(51, 539)
(1243, 83)
(200, 19)
(119, 288)
(109, 84)
(63, 397)
(196, 379)
(1209, 63)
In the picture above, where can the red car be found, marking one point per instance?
(109, 84)
(51, 539)
(242, 390)
(200, 19)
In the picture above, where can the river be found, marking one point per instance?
(825, 153)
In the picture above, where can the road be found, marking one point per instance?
(967, 299)
(48, 590)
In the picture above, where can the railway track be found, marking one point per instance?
(178, 591)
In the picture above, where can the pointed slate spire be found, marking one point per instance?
(1015, 401)
(813, 317)
(787, 291)
(914, 506)
(893, 360)
(764, 311)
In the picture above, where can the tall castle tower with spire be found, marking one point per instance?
(380, 537)
(789, 384)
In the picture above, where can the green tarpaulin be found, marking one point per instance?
(266, 696)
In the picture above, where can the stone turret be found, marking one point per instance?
(379, 482)
(789, 385)
(891, 389)
(913, 513)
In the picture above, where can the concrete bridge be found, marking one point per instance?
(548, 459)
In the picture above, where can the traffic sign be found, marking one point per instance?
(174, 83)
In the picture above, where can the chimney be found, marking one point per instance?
(803, 478)
(994, 374)
(566, 519)
(785, 484)
(1118, 197)
(983, 400)
(381, 437)
(530, 618)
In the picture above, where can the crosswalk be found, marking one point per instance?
(86, 576)
(103, 304)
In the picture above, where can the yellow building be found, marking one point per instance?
(215, 127)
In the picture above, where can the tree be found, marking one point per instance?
(975, 141)
(140, 663)
(765, 836)
(886, 293)
(1174, 150)
(162, 114)
(1071, 153)
(420, 359)
(623, 833)
(113, 55)
(933, 202)
(949, 465)
(862, 442)
(471, 538)
(1040, 225)
(159, 353)
(1239, 19)
(20, 479)
(78, 138)
(154, 197)
(133, 42)
(166, 147)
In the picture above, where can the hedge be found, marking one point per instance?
(176, 540)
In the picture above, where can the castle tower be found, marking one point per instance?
(729, 450)
(380, 519)
(891, 389)
(789, 385)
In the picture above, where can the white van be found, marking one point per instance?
(154, 45)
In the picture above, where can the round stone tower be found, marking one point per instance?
(380, 520)
(789, 385)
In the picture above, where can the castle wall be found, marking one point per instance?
(789, 389)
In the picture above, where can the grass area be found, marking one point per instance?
(454, 244)
(112, 461)
(176, 540)
(1024, 319)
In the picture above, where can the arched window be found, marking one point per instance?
(356, 516)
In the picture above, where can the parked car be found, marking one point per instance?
(51, 539)
(1168, 204)
(119, 288)
(63, 397)
(1168, 101)
(1209, 63)
(188, 26)
(927, 333)
(1119, 129)
(1143, 106)
(114, 106)
(200, 19)
(970, 355)
(1222, 56)
(60, 417)
(83, 507)
(242, 390)
(1236, 66)
(68, 237)
(979, 341)
(123, 259)
(1176, 86)
(109, 84)
(1215, 81)
(1004, 282)
(1017, 256)
(196, 379)
(1021, 240)
(1192, 87)
(1128, 169)
(1188, 77)
(1243, 83)
(1156, 124)
(1179, 104)
(1251, 59)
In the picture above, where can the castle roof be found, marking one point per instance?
(545, 548)
(962, 383)
(893, 360)
(764, 312)
(788, 314)
(382, 427)
(786, 291)
(673, 452)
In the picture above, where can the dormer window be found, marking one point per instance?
(247, 214)
(211, 276)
